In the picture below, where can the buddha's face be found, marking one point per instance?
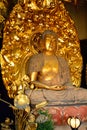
(50, 43)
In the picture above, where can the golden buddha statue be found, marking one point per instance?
(19, 42)
(46, 69)
(49, 72)
(30, 50)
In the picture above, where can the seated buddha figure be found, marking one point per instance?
(50, 73)
(46, 69)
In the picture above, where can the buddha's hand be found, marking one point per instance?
(39, 85)
(54, 87)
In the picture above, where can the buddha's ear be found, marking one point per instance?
(36, 42)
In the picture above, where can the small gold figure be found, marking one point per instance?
(6, 125)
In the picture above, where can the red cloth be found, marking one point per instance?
(61, 114)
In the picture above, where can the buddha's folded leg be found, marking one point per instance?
(68, 96)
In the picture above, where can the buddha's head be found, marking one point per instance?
(50, 40)
(46, 41)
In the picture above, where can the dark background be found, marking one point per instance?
(5, 110)
(83, 46)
